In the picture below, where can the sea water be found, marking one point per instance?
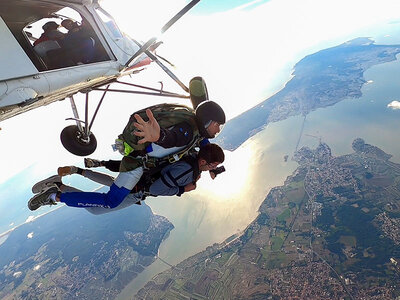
(227, 205)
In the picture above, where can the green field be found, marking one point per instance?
(284, 216)
(277, 243)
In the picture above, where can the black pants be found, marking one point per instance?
(112, 165)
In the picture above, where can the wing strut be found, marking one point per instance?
(171, 22)
(168, 71)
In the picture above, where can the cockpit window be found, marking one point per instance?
(109, 22)
(52, 35)
(34, 30)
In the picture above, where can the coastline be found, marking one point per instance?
(32, 220)
(369, 91)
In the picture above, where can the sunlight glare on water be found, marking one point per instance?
(230, 183)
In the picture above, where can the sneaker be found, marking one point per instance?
(68, 170)
(92, 163)
(41, 185)
(43, 198)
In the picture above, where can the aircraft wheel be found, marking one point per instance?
(73, 140)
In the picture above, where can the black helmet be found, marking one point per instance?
(210, 111)
(50, 25)
(206, 112)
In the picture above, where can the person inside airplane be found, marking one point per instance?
(50, 33)
(49, 46)
(78, 42)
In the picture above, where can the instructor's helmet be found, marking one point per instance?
(207, 112)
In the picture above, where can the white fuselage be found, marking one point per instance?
(23, 86)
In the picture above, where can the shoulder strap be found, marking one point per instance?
(151, 162)
(192, 161)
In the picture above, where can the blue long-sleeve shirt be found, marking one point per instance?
(173, 179)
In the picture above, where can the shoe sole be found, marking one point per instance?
(91, 163)
(33, 205)
(41, 185)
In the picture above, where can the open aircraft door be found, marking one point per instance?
(14, 61)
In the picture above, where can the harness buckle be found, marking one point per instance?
(145, 159)
(174, 158)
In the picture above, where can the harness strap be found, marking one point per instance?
(172, 178)
(165, 182)
(151, 162)
(177, 156)
(184, 173)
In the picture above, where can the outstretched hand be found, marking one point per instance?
(149, 131)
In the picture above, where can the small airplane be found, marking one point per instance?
(38, 70)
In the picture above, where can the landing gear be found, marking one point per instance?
(78, 139)
(76, 142)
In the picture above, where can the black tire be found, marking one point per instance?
(70, 138)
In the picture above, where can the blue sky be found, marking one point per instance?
(215, 6)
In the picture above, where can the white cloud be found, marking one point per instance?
(394, 105)
(37, 267)
(30, 219)
(30, 235)
(17, 274)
